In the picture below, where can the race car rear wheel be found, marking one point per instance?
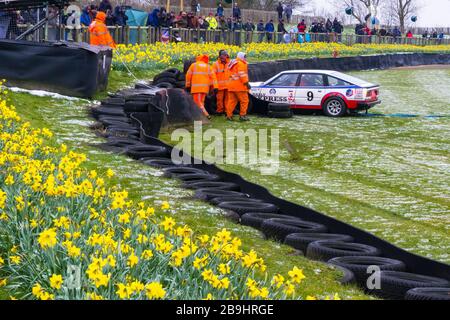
(334, 107)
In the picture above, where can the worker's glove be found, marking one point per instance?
(215, 91)
(248, 86)
(188, 89)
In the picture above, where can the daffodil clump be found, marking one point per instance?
(65, 235)
(161, 55)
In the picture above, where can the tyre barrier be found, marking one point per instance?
(287, 222)
(278, 229)
(105, 118)
(347, 276)
(394, 284)
(216, 201)
(358, 265)
(300, 241)
(197, 177)
(122, 131)
(428, 294)
(280, 114)
(170, 78)
(177, 170)
(243, 207)
(207, 194)
(324, 250)
(255, 219)
(158, 162)
(140, 151)
(212, 184)
(123, 142)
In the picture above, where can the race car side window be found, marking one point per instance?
(335, 82)
(285, 80)
(312, 80)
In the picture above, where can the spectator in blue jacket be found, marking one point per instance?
(120, 18)
(220, 10)
(260, 28)
(269, 28)
(85, 18)
(153, 18)
(236, 11)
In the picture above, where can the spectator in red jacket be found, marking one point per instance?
(301, 26)
(409, 34)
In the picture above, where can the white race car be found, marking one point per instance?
(333, 92)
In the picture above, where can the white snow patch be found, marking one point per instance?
(43, 93)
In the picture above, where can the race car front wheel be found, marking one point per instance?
(334, 107)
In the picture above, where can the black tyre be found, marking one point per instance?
(279, 107)
(113, 118)
(334, 107)
(165, 85)
(278, 229)
(178, 170)
(280, 114)
(328, 249)
(207, 194)
(395, 284)
(216, 201)
(300, 241)
(171, 80)
(255, 219)
(242, 207)
(348, 276)
(180, 84)
(174, 71)
(136, 106)
(428, 294)
(164, 75)
(158, 162)
(115, 123)
(115, 101)
(141, 85)
(213, 185)
(122, 143)
(197, 177)
(116, 112)
(359, 264)
(122, 131)
(181, 77)
(141, 151)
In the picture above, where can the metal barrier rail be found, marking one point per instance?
(150, 35)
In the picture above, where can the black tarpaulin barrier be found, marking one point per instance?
(262, 71)
(414, 263)
(74, 69)
(180, 109)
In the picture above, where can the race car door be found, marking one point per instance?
(310, 91)
(281, 89)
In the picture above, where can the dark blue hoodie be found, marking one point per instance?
(153, 18)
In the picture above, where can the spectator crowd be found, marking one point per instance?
(284, 28)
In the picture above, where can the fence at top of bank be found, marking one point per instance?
(150, 35)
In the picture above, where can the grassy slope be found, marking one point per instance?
(70, 122)
(387, 175)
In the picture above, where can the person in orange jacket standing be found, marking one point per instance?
(199, 78)
(238, 87)
(220, 68)
(98, 32)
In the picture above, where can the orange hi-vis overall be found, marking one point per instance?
(223, 77)
(237, 89)
(200, 78)
(98, 32)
